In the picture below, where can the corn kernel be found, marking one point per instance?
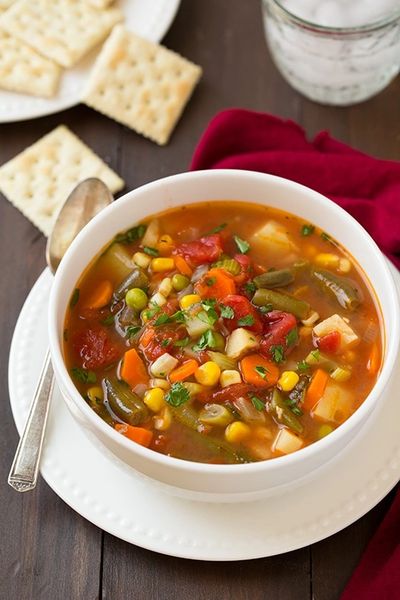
(344, 265)
(288, 380)
(229, 377)
(327, 260)
(237, 432)
(95, 393)
(163, 420)
(160, 383)
(158, 299)
(208, 373)
(165, 287)
(154, 399)
(159, 265)
(165, 245)
(189, 300)
(141, 260)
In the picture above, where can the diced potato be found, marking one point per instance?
(163, 365)
(348, 338)
(274, 238)
(335, 405)
(117, 259)
(286, 442)
(240, 341)
(152, 234)
(195, 326)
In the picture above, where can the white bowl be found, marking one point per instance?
(222, 482)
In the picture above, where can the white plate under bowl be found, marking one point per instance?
(114, 497)
(150, 19)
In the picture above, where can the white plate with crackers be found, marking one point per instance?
(63, 50)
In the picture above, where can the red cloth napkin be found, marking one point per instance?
(367, 188)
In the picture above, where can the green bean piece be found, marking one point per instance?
(283, 414)
(279, 301)
(124, 403)
(99, 408)
(135, 279)
(186, 415)
(218, 447)
(273, 279)
(215, 414)
(343, 289)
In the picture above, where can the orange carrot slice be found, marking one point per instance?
(182, 266)
(136, 434)
(101, 296)
(259, 371)
(216, 283)
(316, 389)
(133, 370)
(184, 371)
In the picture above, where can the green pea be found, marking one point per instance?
(136, 298)
(324, 430)
(180, 282)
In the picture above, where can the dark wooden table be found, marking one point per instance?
(47, 551)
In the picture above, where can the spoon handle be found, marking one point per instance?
(25, 466)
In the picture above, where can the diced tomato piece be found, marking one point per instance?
(329, 343)
(242, 309)
(227, 394)
(96, 349)
(277, 328)
(246, 268)
(156, 341)
(205, 250)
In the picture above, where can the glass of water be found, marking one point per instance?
(333, 65)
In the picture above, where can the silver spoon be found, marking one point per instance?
(87, 199)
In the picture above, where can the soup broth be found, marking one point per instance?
(223, 332)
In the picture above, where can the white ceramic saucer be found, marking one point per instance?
(131, 507)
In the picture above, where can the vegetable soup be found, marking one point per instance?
(223, 332)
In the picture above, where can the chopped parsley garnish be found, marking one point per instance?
(178, 317)
(166, 342)
(250, 287)
(177, 395)
(83, 375)
(261, 371)
(217, 229)
(307, 230)
(242, 245)
(182, 343)
(210, 281)
(265, 309)
(227, 312)
(209, 303)
(74, 298)
(257, 402)
(109, 320)
(277, 353)
(207, 340)
(151, 312)
(131, 235)
(247, 320)
(292, 337)
(302, 366)
(150, 251)
(132, 330)
(162, 319)
(209, 315)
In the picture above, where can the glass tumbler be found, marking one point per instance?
(332, 65)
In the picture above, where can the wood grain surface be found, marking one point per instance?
(47, 551)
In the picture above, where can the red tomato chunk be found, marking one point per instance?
(205, 250)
